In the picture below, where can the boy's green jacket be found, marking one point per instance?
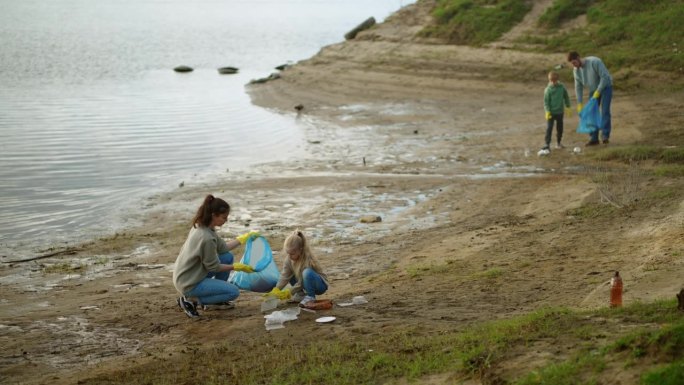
(555, 98)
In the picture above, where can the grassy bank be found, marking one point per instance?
(644, 35)
(475, 22)
(585, 345)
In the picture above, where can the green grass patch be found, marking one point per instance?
(672, 374)
(63, 268)
(577, 371)
(475, 22)
(669, 170)
(650, 332)
(490, 274)
(562, 11)
(673, 155)
(662, 342)
(666, 193)
(592, 210)
(628, 153)
(624, 33)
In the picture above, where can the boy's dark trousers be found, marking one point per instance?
(558, 118)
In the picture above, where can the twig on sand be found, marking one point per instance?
(69, 251)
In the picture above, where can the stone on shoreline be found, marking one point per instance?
(370, 219)
(363, 26)
(183, 69)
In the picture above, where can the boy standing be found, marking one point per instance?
(555, 98)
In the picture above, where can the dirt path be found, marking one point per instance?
(440, 141)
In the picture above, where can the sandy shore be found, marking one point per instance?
(440, 142)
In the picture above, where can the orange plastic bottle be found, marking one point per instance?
(616, 290)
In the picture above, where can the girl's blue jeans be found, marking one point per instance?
(311, 282)
(215, 287)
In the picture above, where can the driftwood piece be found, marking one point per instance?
(680, 298)
(54, 254)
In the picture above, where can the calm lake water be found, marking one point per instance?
(93, 118)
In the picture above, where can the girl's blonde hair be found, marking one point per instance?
(297, 241)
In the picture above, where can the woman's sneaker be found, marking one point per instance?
(188, 307)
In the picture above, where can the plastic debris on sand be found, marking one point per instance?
(358, 300)
(276, 319)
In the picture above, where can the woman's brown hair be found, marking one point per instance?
(211, 206)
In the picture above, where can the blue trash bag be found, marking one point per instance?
(590, 118)
(257, 254)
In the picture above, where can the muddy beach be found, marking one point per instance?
(441, 143)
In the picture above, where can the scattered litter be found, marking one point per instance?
(89, 308)
(319, 304)
(276, 319)
(325, 319)
(576, 150)
(358, 300)
(150, 266)
(269, 303)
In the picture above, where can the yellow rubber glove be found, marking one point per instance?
(548, 115)
(596, 94)
(280, 294)
(579, 107)
(242, 267)
(273, 293)
(568, 111)
(244, 237)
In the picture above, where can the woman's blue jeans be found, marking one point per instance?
(215, 287)
(311, 282)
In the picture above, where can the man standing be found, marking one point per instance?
(590, 72)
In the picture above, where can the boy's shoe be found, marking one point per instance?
(306, 300)
(219, 306)
(592, 143)
(188, 307)
(605, 141)
(559, 146)
(546, 147)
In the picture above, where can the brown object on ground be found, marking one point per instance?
(680, 298)
(319, 304)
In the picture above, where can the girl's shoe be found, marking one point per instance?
(306, 300)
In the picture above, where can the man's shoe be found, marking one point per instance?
(592, 143)
(188, 307)
(219, 306)
(605, 141)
